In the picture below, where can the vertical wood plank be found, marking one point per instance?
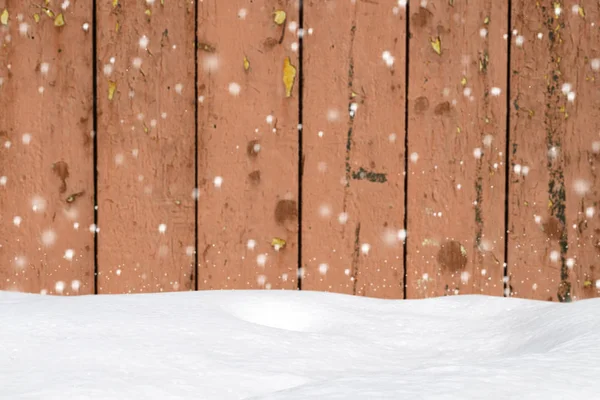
(354, 124)
(46, 152)
(247, 145)
(456, 136)
(555, 149)
(146, 146)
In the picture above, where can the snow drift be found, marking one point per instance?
(296, 345)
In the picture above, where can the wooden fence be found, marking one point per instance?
(370, 147)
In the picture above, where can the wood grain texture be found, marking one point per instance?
(247, 145)
(555, 149)
(46, 150)
(456, 136)
(353, 182)
(146, 146)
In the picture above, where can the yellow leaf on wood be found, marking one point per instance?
(4, 17)
(289, 76)
(59, 20)
(112, 88)
(279, 17)
(436, 45)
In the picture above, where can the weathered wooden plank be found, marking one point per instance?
(456, 137)
(354, 124)
(553, 222)
(46, 152)
(146, 146)
(247, 144)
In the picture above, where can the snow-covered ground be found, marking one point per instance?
(296, 345)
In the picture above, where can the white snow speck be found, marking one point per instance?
(242, 13)
(136, 62)
(23, 28)
(44, 68)
(343, 218)
(292, 26)
(401, 234)
(162, 228)
(483, 33)
(261, 260)
(143, 42)
(517, 169)
(570, 262)
(251, 244)
(218, 181)
(554, 256)
(581, 187)
(571, 96)
(26, 138)
(69, 254)
(179, 88)
(464, 277)
(48, 237)
(3, 180)
(519, 41)
(566, 88)
(595, 64)
(414, 157)
(365, 248)
(589, 212)
(477, 153)
(38, 204)
(234, 89)
(325, 210)
(487, 140)
(210, 63)
(59, 287)
(17, 220)
(557, 9)
(269, 119)
(388, 58)
(496, 91)
(323, 268)
(119, 159)
(75, 285)
(86, 26)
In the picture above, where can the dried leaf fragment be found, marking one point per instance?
(246, 63)
(115, 3)
(36, 17)
(112, 88)
(436, 45)
(48, 12)
(581, 12)
(4, 17)
(279, 17)
(463, 81)
(278, 243)
(59, 20)
(289, 76)
(148, 12)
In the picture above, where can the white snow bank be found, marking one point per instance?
(296, 345)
